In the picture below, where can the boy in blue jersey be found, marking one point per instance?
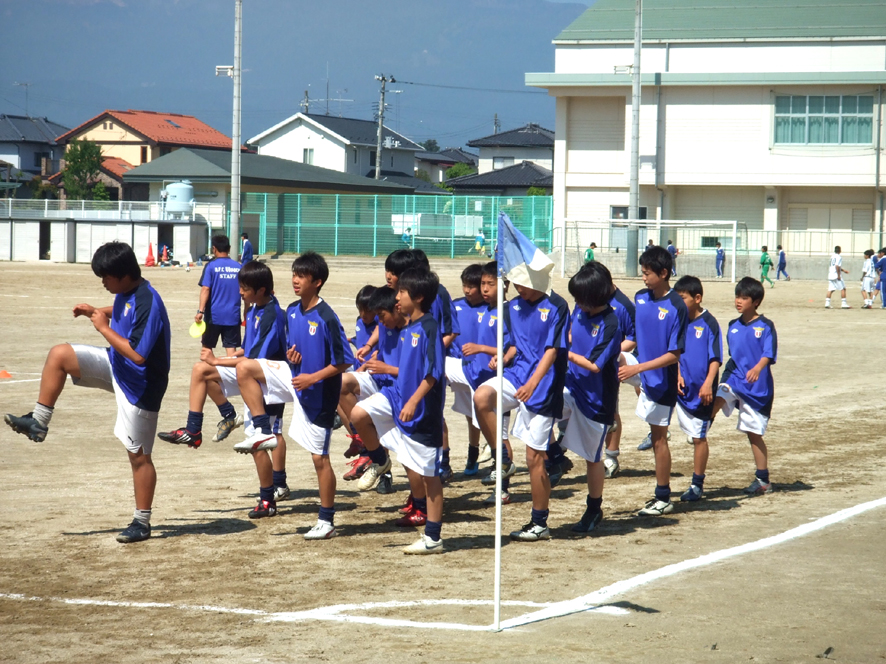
(135, 369)
(697, 382)
(747, 383)
(317, 354)
(591, 392)
(533, 384)
(407, 417)
(661, 319)
(880, 281)
(219, 304)
(721, 260)
(782, 265)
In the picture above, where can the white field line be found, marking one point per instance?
(586, 603)
(6, 381)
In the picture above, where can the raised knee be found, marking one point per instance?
(483, 398)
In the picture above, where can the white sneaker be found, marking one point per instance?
(323, 530)
(256, 442)
(281, 493)
(656, 507)
(531, 532)
(485, 454)
(508, 472)
(827, 305)
(610, 464)
(845, 305)
(370, 479)
(424, 546)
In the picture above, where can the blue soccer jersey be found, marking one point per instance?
(220, 277)
(535, 327)
(661, 328)
(388, 352)
(362, 332)
(421, 356)
(139, 316)
(476, 367)
(703, 346)
(468, 316)
(265, 336)
(626, 313)
(748, 344)
(443, 312)
(597, 338)
(320, 338)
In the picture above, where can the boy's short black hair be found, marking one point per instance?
(591, 286)
(490, 269)
(689, 285)
(398, 261)
(313, 265)
(750, 287)
(778, 247)
(221, 243)
(420, 283)
(869, 253)
(471, 275)
(718, 244)
(116, 259)
(765, 248)
(837, 249)
(245, 236)
(383, 299)
(256, 275)
(363, 297)
(657, 259)
(421, 259)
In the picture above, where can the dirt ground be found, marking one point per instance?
(214, 576)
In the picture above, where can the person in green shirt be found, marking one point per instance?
(765, 264)
(589, 252)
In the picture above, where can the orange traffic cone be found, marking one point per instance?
(5, 374)
(149, 261)
(165, 257)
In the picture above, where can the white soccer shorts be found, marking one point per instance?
(836, 284)
(749, 420)
(365, 383)
(652, 412)
(867, 284)
(463, 394)
(583, 436)
(691, 425)
(229, 381)
(135, 428)
(278, 388)
(631, 360)
(532, 428)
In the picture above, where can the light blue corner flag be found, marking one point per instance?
(520, 261)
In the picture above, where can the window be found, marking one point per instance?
(372, 157)
(621, 212)
(144, 154)
(308, 156)
(502, 162)
(39, 157)
(824, 120)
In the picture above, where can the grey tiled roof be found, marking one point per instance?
(361, 132)
(531, 135)
(524, 174)
(449, 156)
(23, 129)
(420, 186)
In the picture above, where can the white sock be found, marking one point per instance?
(142, 516)
(844, 300)
(42, 414)
(827, 301)
(612, 454)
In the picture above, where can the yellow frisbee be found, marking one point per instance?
(197, 329)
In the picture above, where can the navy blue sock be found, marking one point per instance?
(763, 476)
(327, 514)
(421, 505)
(595, 504)
(227, 410)
(279, 478)
(445, 458)
(663, 493)
(267, 493)
(379, 455)
(505, 483)
(540, 517)
(698, 480)
(353, 428)
(505, 457)
(262, 423)
(195, 422)
(433, 528)
(555, 451)
(473, 454)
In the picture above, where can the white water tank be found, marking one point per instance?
(179, 196)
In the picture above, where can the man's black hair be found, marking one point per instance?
(591, 286)
(398, 261)
(363, 297)
(490, 269)
(313, 265)
(245, 236)
(383, 299)
(869, 252)
(420, 283)
(116, 259)
(750, 287)
(472, 274)
(221, 243)
(657, 259)
(689, 285)
(421, 259)
(256, 275)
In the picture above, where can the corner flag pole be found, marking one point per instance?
(499, 378)
(734, 246)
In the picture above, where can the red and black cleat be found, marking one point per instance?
(358, 467)
(182, 437)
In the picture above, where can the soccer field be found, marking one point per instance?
(213, 586)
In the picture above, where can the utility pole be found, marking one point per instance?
(25, 86)
(235, 141)
(632, 253)
(381, 119)
(496, 124)
(305, 104)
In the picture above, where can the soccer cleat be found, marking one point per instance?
(358, 467)
(226, 426)
(407, 508)
(281, 493)
(646, 444)
(758, 488)
(263, 509)
(845, 305)
(505, 498)
(471, 469)
(182, 437)
(336, 422)
(372, 475)
(656, 507)
(558, 468)
(485, 454)
(322, 530)
(355, 448)
(413, 518)
(508, 472)
(424, 546)
(589, 521)
(446, 473)
(827, 305)
(29, 426)
(386, 484)
(256, 443)
(531, 532)
(134, 532)
(611, 467)
(692, 494)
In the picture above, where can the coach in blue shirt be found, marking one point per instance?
(246, 254)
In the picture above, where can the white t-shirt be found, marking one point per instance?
(870, 269)
(836, 261)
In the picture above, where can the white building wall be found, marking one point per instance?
(542, 156)
(291, 141)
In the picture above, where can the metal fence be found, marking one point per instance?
(213, 214)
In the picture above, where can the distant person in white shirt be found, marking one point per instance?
(868, 277)
(835, 280)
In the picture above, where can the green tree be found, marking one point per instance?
(83, 160)
(100, 192)
(422, 174)
(458, 170)
(536, 191)
(430, 145)
(41, 188)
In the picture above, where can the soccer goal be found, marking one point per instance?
(695, 242)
